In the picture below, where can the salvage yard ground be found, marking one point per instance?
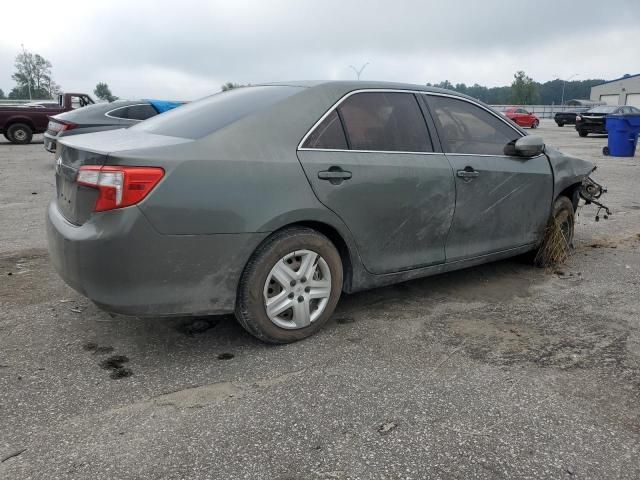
(499, 371)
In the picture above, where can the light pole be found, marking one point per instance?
(564, 83)
(24, 53)
(358, 72)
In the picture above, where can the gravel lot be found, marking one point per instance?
(500, 371)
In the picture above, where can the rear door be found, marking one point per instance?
(502, 202)
(371, 160)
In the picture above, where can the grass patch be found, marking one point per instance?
(555, 249)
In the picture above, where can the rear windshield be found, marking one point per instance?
(602, 109)
(198, 119)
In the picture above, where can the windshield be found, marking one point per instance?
(607, 109)
(198, 119)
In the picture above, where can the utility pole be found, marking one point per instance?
(564, 83)
(24, 52)
(358, 72)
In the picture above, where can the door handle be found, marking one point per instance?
(335, 175)
(468, 174)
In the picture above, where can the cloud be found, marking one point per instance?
(189, 48)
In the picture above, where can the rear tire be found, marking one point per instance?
(307, 303)
(583, 133)
(19, 133)
(560, 124)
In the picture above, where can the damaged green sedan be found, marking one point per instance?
(270, 201)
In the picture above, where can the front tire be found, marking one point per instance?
(19, 133)
(535, 124)
(560, 124)
(558, 239)
(290, 287)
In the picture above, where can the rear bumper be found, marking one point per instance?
(591, 127)
(49, 142)
(122, 264)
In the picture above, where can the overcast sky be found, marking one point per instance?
(184, 49)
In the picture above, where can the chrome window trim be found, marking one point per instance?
(108, 114)
(489, 155)
(491, 111)
(366, 151)
(415, 92)
(337, 104)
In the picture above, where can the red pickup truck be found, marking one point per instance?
(18, 123)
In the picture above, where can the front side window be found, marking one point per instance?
(467, 128)
(385, 121)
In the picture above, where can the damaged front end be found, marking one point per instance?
(591, 191)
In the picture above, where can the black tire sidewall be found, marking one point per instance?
(564, 204)
(19, 126)
(250, 309)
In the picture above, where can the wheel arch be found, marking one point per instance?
(338, 235)
(24, 120)
(572, 192)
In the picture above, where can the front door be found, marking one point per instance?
(371, 161)
(502, 202)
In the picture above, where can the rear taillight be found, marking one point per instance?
(60, 125)
(119, 186)
(578, 118)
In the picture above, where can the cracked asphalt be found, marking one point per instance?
(499, 371)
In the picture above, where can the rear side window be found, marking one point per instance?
(467, 128)
(134, 112)
(198, 119)
(385, 121)
(328, 135)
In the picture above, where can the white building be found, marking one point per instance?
(621, 91)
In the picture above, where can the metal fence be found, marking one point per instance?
(542, 111)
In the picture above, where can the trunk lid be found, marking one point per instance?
(76, 202)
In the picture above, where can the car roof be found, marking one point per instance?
(340, 88)
(358, 84)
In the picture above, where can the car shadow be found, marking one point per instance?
(502, 281)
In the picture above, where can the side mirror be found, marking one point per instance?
(528, 146)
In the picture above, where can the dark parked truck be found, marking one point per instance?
(19, 123)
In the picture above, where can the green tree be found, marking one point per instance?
(33, 77)
(103, 92)
(523, 89)
(2, 94)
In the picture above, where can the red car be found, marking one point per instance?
(521, 117)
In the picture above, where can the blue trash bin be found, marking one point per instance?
(623, 130)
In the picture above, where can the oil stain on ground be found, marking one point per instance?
(115, 363)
